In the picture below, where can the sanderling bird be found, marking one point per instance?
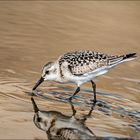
(80, 67)
(59, 126)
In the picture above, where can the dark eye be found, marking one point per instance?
(47, 72)
(38, 119)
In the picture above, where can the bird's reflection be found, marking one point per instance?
(61, 127)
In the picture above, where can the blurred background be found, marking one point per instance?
(35, 32)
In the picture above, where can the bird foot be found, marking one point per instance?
(35, 93)
(69, 99)
(94, 101)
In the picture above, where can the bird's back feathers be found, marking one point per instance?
(81, 62)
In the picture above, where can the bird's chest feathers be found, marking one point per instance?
(66, 75)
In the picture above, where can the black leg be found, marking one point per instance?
(72, 108)
(89, 113)
(94, 90)
(77, 90)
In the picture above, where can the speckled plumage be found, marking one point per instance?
(80, 62)
(59, 126)
(80, 67)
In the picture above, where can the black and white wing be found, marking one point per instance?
(81, 62)
(73, 134)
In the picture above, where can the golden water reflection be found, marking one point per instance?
(35, 32)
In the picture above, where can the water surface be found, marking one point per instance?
(33, 33)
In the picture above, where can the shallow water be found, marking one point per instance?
(33, 33)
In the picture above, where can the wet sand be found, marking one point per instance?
(33, 33)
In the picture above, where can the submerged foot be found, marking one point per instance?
(35, 93)
(94, 101)
(70, 98)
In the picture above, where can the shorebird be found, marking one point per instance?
(59, 126)
(80, 67)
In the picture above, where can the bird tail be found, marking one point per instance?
(115, 60)
(129, 56)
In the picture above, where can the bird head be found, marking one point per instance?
(48, 73)
(41, 118)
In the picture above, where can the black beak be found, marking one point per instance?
(36, 109)
(38, 83)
